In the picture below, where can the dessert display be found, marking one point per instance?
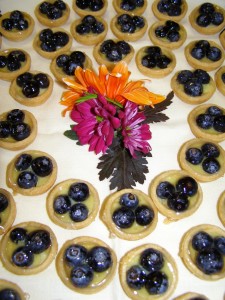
(147, 272)
(16, 25)
(7, 211)
(135, 7)
(221, 208)
(191, 296)
(89, 30)
(129, 214)
(172, 9)
(155, 61)
(96, 8)
(18, 129)
(28, 248)
(13, 62)
(203, 159)
(193, 86)
(220, 80)
(31, 173)
(208, 121)
(52, 13)
(10, 290)
(202, 251)
(176, 194)
(86, 265)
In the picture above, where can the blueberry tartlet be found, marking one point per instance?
(193, 86)
(95, 8)
(203, 159)
(191, 296)
(13, 62)
(204, 54)
(51, 42)
(52, 13)
(221, 208)
(7, 211)
(176, 194)
(10, 290)
(129, 214)
(111, 51)
(86, 265)
(148, 272)
(28, 248)
(65, 64)
(208, 121)
(207, 18)
(129, 27)
(155, 61)
(133, 7)
(31, 173)
(220, 80)
(73, 204)
(167, 34)
(18, 129)
(203, 253)
(89, 30)
(169, 9)
(16, 25)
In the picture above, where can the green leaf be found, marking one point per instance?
(71, 134)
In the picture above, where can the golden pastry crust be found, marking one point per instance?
(132, 258)
(16, 92)
(84, 12)
(43, 184)
(64, 220)
(218, 79)
(90, 38)
(44, 20)
(164, 42)
(129, 37)
(17, 35)
(155, 72)
(51, 55)
(7, 75)
(173, 176)
(137, 11)
(221, 208)
(188, 254)
(162, 16)
(136, 231)
(196, 170)
(199, 132)
(9, 214)
(222, 38)
(208, 30)
(191, 295)
(204, 63)
(7, 247)
(99, 282)
(208, 90)
(5, 284)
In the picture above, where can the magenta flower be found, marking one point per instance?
(135, 134)
(96, 123)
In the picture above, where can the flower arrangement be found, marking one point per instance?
(112, 116)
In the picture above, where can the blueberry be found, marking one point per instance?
(5, 129)
(89, 19)
(8, 24)
(42, 166)
(23, 162)
(23, 79)
(83, 29)
(78, 57)
(201, 241)
(204, 44)
(61, 60)
(206, 8)
(172, 25)
(98, 27)
(48, 46)
(16, 15)
(173, 36)
(124, 47)
(27, 180)
(129, 200)
(156, 283)
(39, 241)
(70, 66)
(78, 212)
(45, 35)
(209, 261)
(165, 189)
(219, 123)
(79, 191)
(161, 31)
(99, 259)
(163, 61)
(61, 38)
(18, 234)
(214, 111)
(42, 80)
(60, 4)
(20, 131)
(219, 243)
(106, 46)
(153, 50)
(82, 4)
(144, 215)
(22, 25)
(96, 5)
(214, 53)
(152, 260)
(148, 61)
(197, 53)
(22, 257)
(202, 76)
(44, 6)
(13, 64)
(75, 255)
(31, 89)
(138, 21)
(15, 116)
(3, 61)
(204, 121)
(222, 77)
(194, 156)
(210, 150)
(184, 76)
(123, 217)
(217, 18)
(178, 202)
(81, 276)
(136, 277)
(17, 54)
(54, 13)
(203, 20)
(9, 294)
(210, 165)
(187, 185)
(4, 202)
(174, 10)
(61, 204)
(193, 88)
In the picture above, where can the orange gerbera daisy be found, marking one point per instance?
(113, 85)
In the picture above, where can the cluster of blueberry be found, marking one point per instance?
(93, 5)
(50, 41)
(69, 62)
(170, 31)
(114, 51)
(203, 49)
(16, 21)
(155, 58)
(13, 60)
(130, 24)
(170, 7)
(53, 10)
(4, 202)
(130, 5)
(90, 24)
(208, 15)
(213, 117)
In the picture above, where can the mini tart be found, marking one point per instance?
(164, 42)
(17, 35)
(188, 254)
(173, 176)
(204, 63)
(221, 208)
(100, 280)
(208, 30)
(196, 170)
(10, 143)
(16, 92)
(161, 16)
(5, 284)
(129, 37)
(64, 220)
(43, 184)
(44, 20)
(208, 91)
(190, 296)
(41, 260)
(136, 231)
(137, 11)
(7, 216)
(90, 38)
(222, 38)
(84, 12)
(199, 132)
(60, 74)
(7, 75)
(155, 72)
(218, 79)
(51, 55)
(132, 258)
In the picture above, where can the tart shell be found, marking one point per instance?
(84, 12)
(191, 295)
(222, 38)
(221, 208)
(5, 284)
(137, 11)
(161, 16)
(9, 214)
(218, 79)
